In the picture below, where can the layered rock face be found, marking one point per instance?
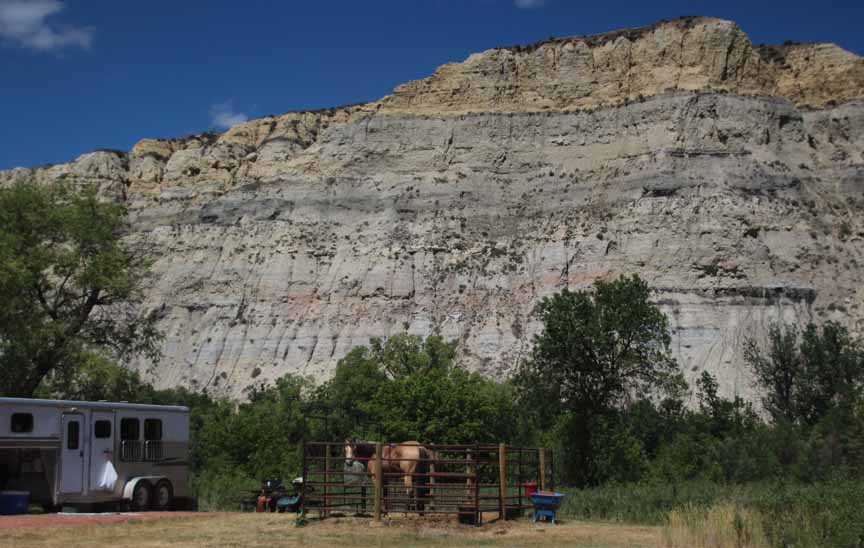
(729, 176)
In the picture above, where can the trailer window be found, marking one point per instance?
(129, 429)
(22, 423)
(72, 432)
(152, 429)
(102, 429)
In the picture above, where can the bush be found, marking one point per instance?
(451, 406)
(646, 502)
(722, 526)
(618, 455)
(259, 439)
(826, 514)
(410, 389)
(222, 487)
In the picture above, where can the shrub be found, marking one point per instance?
(825, 514)
(222, 487)
(721, 526)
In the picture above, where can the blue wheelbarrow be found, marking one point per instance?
(546, 504)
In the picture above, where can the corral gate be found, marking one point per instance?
(462, 480)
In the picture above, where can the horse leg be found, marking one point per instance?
(421, 492)
(422, 484)
(409, 490)
(384, 490)
(418, 492)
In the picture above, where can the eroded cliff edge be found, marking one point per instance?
(730, 176)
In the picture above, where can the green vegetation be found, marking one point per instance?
(783, 514)
(808, 376)
(399, 389)
(635, 449)
(598, 353)
(632, 441)
(68, 287)
(409, 388)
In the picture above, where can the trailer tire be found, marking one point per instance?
(163, 496)
(142, 497)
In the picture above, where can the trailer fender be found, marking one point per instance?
(129, 488)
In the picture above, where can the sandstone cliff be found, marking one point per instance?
(730, 176)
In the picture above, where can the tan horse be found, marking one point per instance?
(409, 459)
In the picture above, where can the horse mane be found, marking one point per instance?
(364, 449)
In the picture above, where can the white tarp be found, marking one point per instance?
(355, 473)
(109, 476)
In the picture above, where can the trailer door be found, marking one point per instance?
(72, 453)
(101, 448)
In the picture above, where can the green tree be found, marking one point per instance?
(444, 406)
(722, 417)
(599, 352)
(68, 285)
(340, 400)
(407, 387)
(834, 371)
(260, 437)
(777, 370)
(404, 354)
(806, 375)
(618, 454)
(96, 378)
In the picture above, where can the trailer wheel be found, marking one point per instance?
(164, 496)
(142, 497)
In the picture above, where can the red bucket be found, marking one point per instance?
(530, 488)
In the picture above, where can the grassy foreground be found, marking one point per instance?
(249, 530)
(820, 515)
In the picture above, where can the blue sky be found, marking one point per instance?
(77, 75)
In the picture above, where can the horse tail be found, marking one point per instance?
(422, 480)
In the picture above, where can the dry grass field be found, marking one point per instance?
(251, 530)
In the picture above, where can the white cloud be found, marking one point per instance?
(23, 22)
(223, 115)
(529, 4)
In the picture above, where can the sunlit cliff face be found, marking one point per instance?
(728, 176)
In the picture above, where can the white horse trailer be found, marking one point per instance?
(76, 453)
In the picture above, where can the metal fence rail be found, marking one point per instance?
(463, 480)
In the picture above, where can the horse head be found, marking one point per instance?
(358, 450)
(349, 452)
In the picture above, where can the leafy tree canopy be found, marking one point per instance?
(95, 378)
(600, 353)
(806, 374)
(68, 286)
(599, 349)
(452, 406)
(407, 387)
(405, 355)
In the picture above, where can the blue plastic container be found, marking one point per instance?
(14, 502)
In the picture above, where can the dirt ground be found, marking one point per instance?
(248, 530)
(72, 520)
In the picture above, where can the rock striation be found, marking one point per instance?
(729, 175)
